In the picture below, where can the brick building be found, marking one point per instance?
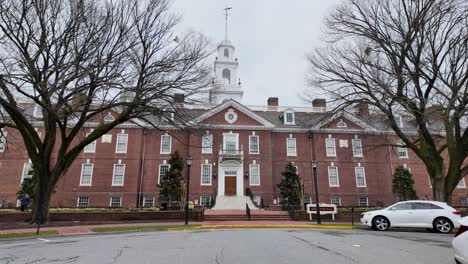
(233, 147)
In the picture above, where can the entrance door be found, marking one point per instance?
(230, 178)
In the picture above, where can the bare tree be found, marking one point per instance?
(404, 58)
(79, 60)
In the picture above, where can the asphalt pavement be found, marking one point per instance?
(253, 246)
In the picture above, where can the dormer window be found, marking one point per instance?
(109, 118)
(289, 118)
(341, 124)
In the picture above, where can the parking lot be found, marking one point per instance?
(236, 246)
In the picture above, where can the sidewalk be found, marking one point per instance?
(86, 229)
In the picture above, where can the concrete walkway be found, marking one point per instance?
(86, 229)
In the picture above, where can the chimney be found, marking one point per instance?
(272, 104)
(179, 98)
(319, 105)
(361, 109)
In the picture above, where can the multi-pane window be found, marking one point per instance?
(91, 147)
(121, 143)
(231, 143)
(291, 147)
(163, 169)
(3, 140)
(207, 144)
(205, 201)
(402, 151)
(148, 201)
(206, 174)
(289, 118)
(166, 141)
(86, 174)
(330, 147)
(360, 176)
(357, 147)
(464, 201)
(27, 170)
(82, 202)
(116, 202)
(336, 200)
(461, 184)
(119, 174)
(253, 145)
(254, 172)
(363, 201)
(333, 179)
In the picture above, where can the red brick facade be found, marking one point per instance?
(143, 158)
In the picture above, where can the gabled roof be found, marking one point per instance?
(348, 116)
(234, 104)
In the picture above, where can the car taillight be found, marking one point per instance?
(456, 212)
(461, 230)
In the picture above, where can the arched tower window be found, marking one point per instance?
(226, 53)
(227, 75)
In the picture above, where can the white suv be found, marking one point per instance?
(420, 214)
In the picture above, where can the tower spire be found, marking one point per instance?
(226, 14)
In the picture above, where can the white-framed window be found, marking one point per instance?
(341, 124)
(254, 147)
(37, 111)
(333, 178)
(148, 201)
(91, 147)
(3, 140)
(166, 142)
(254, 172)
(119, 175)
(330, 147)
(363, 201)
(205, 201)
(464, 201)
(289, 118)
(207, 144)
(357, 147)
(336, 200)
(115, 202)
(121, 143)
(206, 172)
(27, 169)
(291, 147)
(231, 143)
(109, 118)
(461, 184)
(402, 151)
(82, 202)
(86, 177)
(360, 176)
(163, 169)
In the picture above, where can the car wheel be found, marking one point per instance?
(443, 225)
(380, 223)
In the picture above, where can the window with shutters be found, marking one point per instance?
(254, 145)
(86, 174)
(330, 147)
(333, 179)
(357, 147)
(206, 170)
(119, 174)
(254, 172)
(291, 147)
(91, 147)
(163, 169)
(360, 176)
(207, 144)
(121, 143)
(166, 141)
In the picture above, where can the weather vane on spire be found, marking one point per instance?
(226, 14)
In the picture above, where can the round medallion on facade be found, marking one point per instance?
(230, 116)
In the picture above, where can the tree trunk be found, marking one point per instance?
(41, 207)
(438, 188)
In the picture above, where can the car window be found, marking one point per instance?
(433, 206)
(421, 206)
(402, 206)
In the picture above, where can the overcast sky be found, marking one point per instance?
(272, 38)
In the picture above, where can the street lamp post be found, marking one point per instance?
(189, 164)
(317, 204)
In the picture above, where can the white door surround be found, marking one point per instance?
(231, 166)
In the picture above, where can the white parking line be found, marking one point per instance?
(43, 239)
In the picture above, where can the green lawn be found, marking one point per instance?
(141, 228)
(30, 234)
